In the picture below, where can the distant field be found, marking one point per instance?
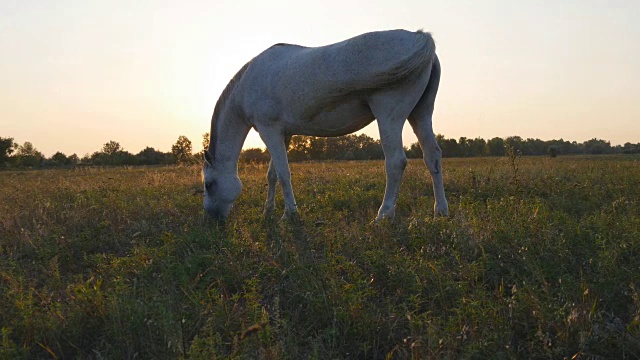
(540, 258)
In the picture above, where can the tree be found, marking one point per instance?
(28, 155)
(182, 150)
(111, 148)
(59, 159)
(563, 147)
(630, 148)
(534, 147)
(256, 155)
(449, 147)
(112, 154)
(414, 151)
(477, 147)
(514, 142)
(299, 148)
(150, 156)
(73, 159)
(7, 147)
(367, 148)
(205, 141)
(597, 146)
(86, 159)
(205, 146)
(463, 146)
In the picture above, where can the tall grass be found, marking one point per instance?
(539, 259)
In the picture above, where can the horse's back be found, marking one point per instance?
(374, 53)
(354, 62)
(302, 81)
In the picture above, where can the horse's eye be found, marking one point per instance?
(210, 185)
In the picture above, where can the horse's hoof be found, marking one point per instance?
(383, 218)
(293, 217)
(441, 213)
(388, 213)
(268, 209)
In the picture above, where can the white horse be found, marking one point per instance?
(330, 90)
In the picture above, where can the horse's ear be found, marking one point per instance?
(208, 158)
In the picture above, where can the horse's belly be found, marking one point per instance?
(340, 119)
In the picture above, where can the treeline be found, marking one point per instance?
(363, 147)
(111, 153)
(302, 148)
(496, 146)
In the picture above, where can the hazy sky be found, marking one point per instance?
(76, 74)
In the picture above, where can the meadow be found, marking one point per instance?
(538, 259)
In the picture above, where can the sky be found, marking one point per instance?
(77, 74)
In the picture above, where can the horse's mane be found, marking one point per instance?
(222, 100)
(226, 93)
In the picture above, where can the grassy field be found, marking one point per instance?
(540, 258)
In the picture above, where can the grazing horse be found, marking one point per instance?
(332, 90)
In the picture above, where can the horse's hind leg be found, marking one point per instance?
(272, 180)
(432, 156)
(421, 122)
(391, 109)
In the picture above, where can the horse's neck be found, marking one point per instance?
(231, 131)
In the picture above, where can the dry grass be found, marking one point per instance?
(538, 260)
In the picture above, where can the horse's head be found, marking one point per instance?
(221, 188)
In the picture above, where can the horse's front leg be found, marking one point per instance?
(395, 161)
(277, 144)
(272, 181)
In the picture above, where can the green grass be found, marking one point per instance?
(539, 259)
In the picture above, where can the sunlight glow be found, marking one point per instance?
(82, 73)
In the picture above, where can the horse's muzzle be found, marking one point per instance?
(214, 216)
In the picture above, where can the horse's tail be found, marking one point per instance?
(425, 54)
(425, 106)
(419, 58)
